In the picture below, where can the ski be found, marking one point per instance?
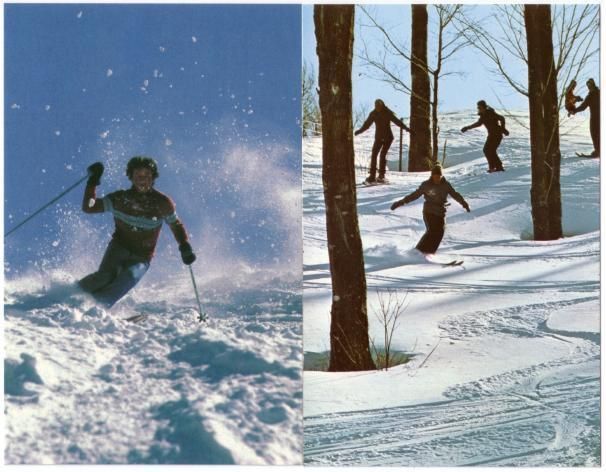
(586, 156)
(136, 318)
(453, 263)
(372, 184)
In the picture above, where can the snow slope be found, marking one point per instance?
(82, 385)
(506, 366)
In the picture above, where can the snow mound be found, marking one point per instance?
(17, 374)
(165, 390)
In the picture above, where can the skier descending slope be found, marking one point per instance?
(495, 125)
(436, 190)
(138, 216)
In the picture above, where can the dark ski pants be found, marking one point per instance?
(379, 148)
(594, 129)
(120, 270)
(490, 151)
(430, 241)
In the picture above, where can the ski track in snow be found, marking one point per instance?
(506, 366)
(85, 386)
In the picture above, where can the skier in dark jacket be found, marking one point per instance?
(495, 125)
(435, 190)
(138, 215)
(592, 100)
(382, 117)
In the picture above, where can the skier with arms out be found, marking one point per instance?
(382, 117)
(138, 215)
(435, 190)
(495, 125)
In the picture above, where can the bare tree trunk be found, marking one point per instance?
(420, 138)
(544, 124)
(349, 343)
(434, 119)
(434, 103)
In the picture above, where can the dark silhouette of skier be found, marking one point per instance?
(139, 213)
(495, 125)
(382, 117)
(435, 190)
(592, 100)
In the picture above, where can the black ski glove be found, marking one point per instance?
(357, 132)
(505, 132)
(187, 254)
(464, 128)
(95, 171)
(466, 207)
(397, 204)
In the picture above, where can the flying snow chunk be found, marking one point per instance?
(145, 83)
(79, 15)
(55, 243)
(162, 49)
(194, 39)
(105, 134)
(58, 133)
(109, 73)
(15, 106)
(47, 107)
(168, 142)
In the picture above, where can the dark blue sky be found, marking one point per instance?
(198, 87)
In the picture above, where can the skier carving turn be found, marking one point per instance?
(139, 213)
(435, 190)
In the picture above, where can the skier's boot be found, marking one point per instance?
(370, 179)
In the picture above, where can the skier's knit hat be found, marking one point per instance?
(436, 170)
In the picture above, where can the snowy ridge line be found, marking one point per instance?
(486, 322)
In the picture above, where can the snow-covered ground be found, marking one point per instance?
(82, 385)
(506, 366)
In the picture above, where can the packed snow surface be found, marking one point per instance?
(506, 348)
(83, 385)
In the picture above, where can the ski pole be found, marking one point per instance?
(401, 136)
(202, 316)
(46, 206)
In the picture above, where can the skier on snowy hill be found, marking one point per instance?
(382, 117)
(592, 100)
(138, 215)
(435, 190)
(495, 125)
